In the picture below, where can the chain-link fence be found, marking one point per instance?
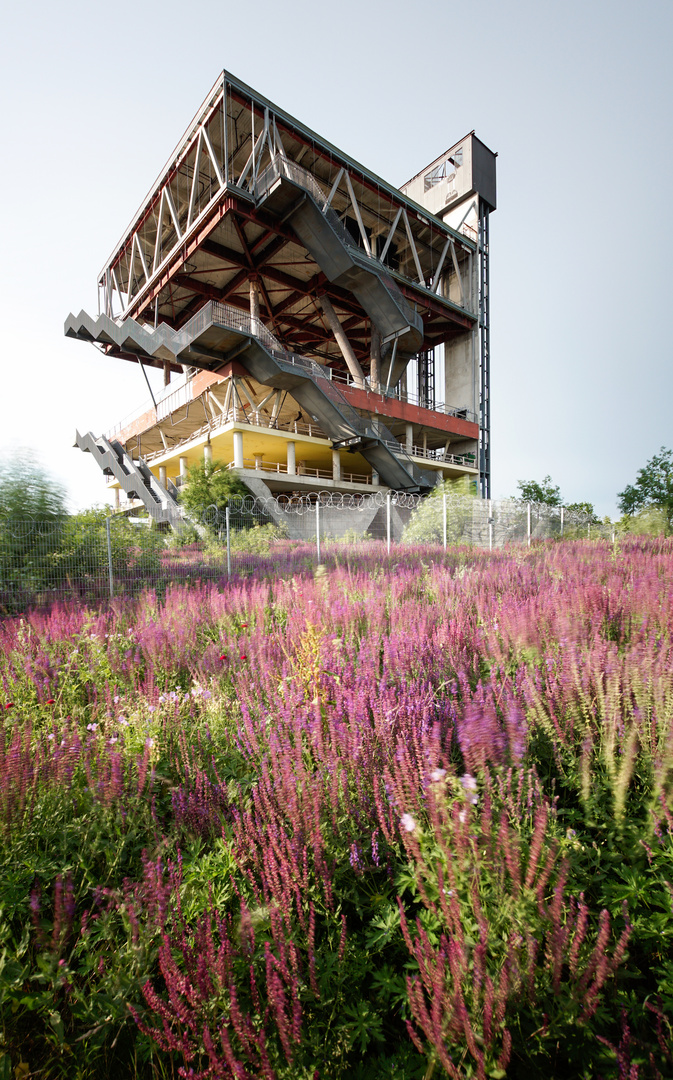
(75, 557)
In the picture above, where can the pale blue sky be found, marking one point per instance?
(575, 97)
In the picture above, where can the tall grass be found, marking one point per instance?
(408, 820)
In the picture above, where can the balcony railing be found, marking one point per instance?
(301, 471)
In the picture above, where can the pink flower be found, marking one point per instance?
(407, 823)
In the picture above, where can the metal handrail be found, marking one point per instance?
(301, 471)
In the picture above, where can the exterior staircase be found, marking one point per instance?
(286, 189)
(135, 478)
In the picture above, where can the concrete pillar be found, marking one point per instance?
(336, 465)
(342, 341)
(254, 304)
(167, 373)
(258, 461)
(162, 475)
(208, 454)
(183, 467)
(425, 443)
(117, 491)
(375, 354)
(238, 449)
(291, 459)
(409, 428)
(375, 478)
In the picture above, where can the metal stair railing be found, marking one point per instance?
(233, 318)
(297, 174)
(135, 479)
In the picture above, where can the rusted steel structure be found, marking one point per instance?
(318, 328)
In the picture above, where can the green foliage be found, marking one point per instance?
(210, 484)
(534, 492)
(587, 509)
(650, 522)
(498, 899)
(426, 525)
(28, 492)
(38, 556)
(257, 539)
(653, 490)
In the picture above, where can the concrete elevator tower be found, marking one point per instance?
(460, 188)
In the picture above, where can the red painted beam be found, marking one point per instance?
(412, 414)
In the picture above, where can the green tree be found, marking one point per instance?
(426, 524)
(210, 484)
(546, 492)
(585, 508)
(28, 492)
(653, 489)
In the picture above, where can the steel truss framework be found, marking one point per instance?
(203, 233)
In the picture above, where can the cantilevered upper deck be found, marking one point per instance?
(239, 200)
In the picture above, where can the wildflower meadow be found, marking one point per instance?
(401, 816)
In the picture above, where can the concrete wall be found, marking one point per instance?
(461, 372)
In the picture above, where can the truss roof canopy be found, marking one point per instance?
(208, 227)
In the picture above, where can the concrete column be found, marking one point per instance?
(291, 459)
(409, 428)
(208, 454)
(375, 354)
(117, 491)
(258, 461)
(336, 465)
(375, 478)
(425, 443)
(342, 341)
(254, 304)
(162, 475)
(238, 449)
(183, 466)
(167, 373)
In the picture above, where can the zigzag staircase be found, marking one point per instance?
(135, 478)
(218, 332)
(287, 189)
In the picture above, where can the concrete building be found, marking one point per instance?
(318, 329)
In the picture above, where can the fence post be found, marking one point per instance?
(226, 516)
(317, 528)
(444, 519)
(109, 557)
(388, 496)
(561, 521)
(528, 524)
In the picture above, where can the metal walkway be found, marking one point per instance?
(219, 332)
(290, 191)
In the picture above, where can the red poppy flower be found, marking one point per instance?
(9, 705)
(223, 657)
(243, 656)
(244, 626)
(50, 701)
